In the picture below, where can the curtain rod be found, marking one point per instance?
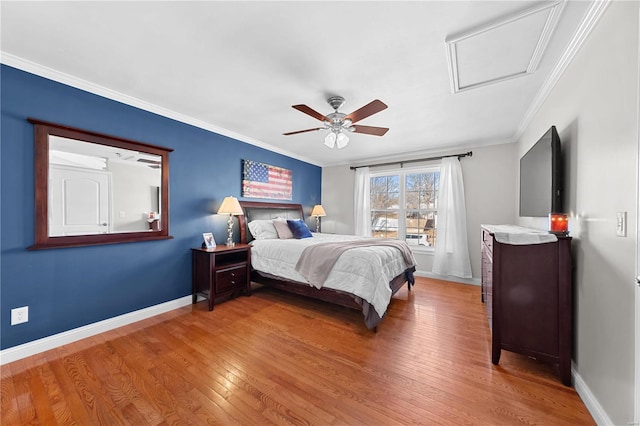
(466, 154)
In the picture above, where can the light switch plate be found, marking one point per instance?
(621, 224)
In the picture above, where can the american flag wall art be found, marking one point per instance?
(261, 180)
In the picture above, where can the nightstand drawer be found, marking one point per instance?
(231, 278)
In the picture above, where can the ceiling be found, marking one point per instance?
(454, 74)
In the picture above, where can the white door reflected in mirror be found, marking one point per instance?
(90, 182)
(79, 203)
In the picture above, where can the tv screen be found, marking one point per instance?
(541, 177)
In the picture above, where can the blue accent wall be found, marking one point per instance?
(72, 287)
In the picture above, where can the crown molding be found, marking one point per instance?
(435, 150)
(87, 86)
(587, 25)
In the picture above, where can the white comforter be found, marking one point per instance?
(364, 271)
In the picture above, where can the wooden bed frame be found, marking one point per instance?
(259, 210)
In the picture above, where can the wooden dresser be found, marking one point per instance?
(527, 293)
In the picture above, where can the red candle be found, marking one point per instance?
(558, 223)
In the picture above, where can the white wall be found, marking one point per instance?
(134, 196)
(594, 107)
(488, 175)
(337, 199)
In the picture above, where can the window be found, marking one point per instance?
(404, 205)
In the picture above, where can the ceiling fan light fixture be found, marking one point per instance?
(330, 140)
(343, 140)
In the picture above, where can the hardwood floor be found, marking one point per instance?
(275, 358)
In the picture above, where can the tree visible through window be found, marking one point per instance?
(404, 205)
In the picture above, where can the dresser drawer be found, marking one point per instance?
(232, 278)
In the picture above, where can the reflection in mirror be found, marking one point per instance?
(97, 189)
(101, 189)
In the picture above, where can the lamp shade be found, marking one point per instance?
(318, 211)
(230, 205)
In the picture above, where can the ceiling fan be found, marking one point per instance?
(337, 123)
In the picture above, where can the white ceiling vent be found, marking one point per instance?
(502, 49)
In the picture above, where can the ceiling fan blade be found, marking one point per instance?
(370, 130)
(303, 131)
(312, 112)
(367, 110)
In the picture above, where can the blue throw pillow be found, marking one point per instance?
(299, 229)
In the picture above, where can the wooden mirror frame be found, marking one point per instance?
(42, 130)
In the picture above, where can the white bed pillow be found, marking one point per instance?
(263, 229)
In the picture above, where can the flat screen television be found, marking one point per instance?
(541, 177)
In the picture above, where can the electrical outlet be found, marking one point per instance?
(19, 315)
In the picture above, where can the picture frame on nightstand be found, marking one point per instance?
(209, 241)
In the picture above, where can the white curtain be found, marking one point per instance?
(361, 203)
(451, 253)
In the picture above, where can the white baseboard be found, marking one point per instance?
(428, 274)
(50, 342)
(595, 409)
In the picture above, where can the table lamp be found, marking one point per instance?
(230, 206)
(318, 212)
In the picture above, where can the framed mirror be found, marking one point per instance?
(92, 188)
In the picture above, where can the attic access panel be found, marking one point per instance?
(502, 49)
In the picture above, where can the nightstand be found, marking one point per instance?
(220, 271)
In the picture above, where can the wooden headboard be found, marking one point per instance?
(256, 210)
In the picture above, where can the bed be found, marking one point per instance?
(343, 287)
